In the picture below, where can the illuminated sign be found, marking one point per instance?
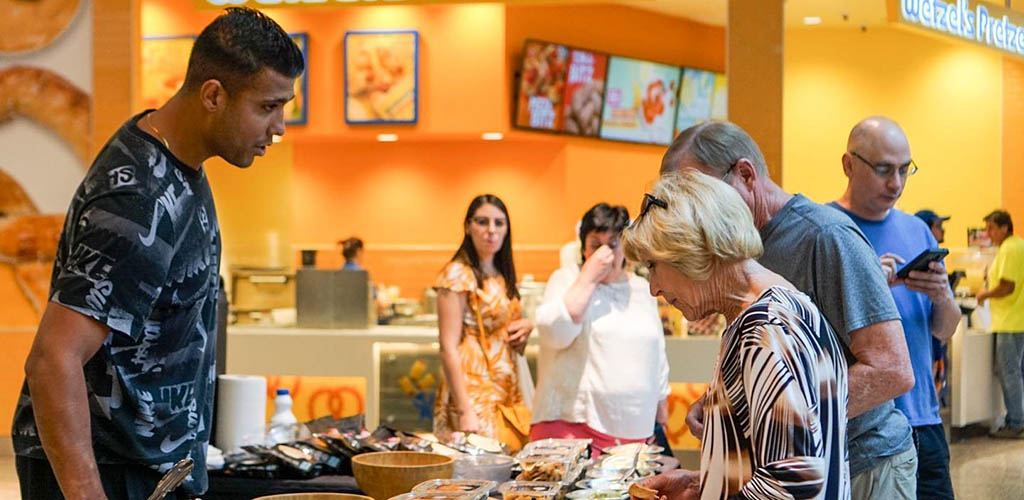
(216, 4)
(978, 22)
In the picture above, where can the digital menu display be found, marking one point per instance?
(542, 86)
(696, 96)
(720, 102)
(584, 92)
(640, 101)
(561, 89)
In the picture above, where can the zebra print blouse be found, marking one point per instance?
(775, 412)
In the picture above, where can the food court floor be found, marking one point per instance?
(982, 468)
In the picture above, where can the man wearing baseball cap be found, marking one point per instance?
(934, 222)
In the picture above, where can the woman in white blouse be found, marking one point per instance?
(602, 371)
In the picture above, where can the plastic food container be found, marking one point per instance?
(438, 496)
(577, 447)
(589, 494)
(487, 467)
(546, 467)
(471, 487)
(530, 490)
(615, 474)
(603, 484)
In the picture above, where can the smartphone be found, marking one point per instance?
(920, 263)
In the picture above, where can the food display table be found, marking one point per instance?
(240, 488)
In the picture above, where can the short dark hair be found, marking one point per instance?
(350, 247)
(1000, 218)
(237, 45)
(600, 218)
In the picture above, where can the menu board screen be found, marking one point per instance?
(696, 95)
(584, 92)
(640, 101)
(719, 105)
(542, 86)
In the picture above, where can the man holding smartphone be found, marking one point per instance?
(877, 163)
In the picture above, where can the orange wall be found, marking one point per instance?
(1013, 147)
(462, 74)
(618, 30)
(406, 200)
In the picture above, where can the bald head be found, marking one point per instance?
(877, 163)
(874, 133)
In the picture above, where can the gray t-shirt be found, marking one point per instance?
(823, 253)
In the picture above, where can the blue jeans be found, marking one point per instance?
(1009, 355)
(933, 481)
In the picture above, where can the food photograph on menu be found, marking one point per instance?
(165, 62)
(381, 81)
(584, 92)
(542, 86)
(640, 101)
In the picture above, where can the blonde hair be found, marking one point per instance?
(705, 225)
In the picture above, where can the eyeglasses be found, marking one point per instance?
(886, 170)
(649, 201)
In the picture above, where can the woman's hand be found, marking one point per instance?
(599, 265)
(678, 484)
(695, 417)
(518, 333)
(469, 422)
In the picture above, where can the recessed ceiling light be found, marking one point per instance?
(812, 20)
(387, 137)
(493, 136)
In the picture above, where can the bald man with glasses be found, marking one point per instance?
(878, 166)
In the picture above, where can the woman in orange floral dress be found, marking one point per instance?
(479, 285)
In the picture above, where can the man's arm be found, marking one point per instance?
(882, 368)
(1006, 287)
(66, 340)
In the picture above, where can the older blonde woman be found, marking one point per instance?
(775, 414)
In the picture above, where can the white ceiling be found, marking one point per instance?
(832, 12)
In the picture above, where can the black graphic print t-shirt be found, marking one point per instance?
(140, 252)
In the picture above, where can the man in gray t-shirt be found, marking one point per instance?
(823, 253)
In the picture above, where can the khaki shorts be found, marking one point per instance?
(893, 479)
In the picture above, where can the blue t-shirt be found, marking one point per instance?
(905, 235)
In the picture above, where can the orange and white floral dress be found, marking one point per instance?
(488, 384)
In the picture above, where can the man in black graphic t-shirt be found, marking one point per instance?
(119, 382)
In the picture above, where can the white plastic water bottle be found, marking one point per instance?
(283, 409)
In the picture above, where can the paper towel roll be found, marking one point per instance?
(241, 411)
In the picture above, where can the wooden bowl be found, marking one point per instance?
(385, 474)
(314, 496)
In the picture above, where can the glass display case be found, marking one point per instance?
(407, 378)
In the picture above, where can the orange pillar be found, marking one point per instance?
(1013, 130)
(115, 56)
(754, 66)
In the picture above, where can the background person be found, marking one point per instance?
(481, 327)
(602, 370)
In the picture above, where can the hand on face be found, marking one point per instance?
(600, 265)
